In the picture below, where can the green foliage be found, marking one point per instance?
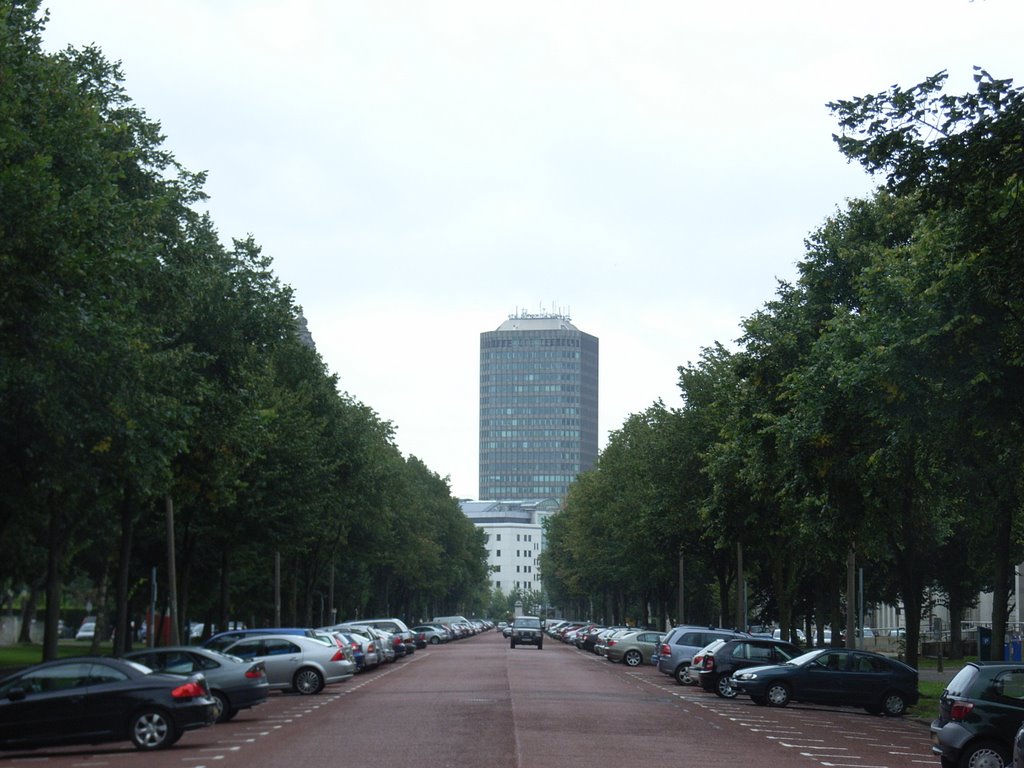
(142, 360)
(875, 406)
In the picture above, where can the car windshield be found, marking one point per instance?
(804, 658)
(528, 623)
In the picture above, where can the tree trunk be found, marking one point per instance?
(57, 540)
(122, 624)
(28, 614)
(1002, 574)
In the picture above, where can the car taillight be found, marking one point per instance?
(190, 690)
(256, 671)
(339, 655)
(611, 643)
(665, 650)
(960, 710)
(709, 662)
(371, 647)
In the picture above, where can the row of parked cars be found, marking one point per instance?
(980, 722)
(152, 696)
(772, 672)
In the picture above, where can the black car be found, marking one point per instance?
(88, 700)
(527, 630)
(979, 714)
(838, 676)
(722, 662)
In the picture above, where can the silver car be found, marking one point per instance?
(294, 662)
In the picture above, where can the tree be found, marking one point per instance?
(962, 157)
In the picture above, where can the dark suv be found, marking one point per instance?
(720, 663)
(979, 714)
(527, 630)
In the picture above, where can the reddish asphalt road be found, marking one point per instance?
(479, 702)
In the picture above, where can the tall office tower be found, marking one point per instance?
(538, 407)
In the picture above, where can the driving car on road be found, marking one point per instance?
(90, 700)
(527, 630)
(837, 676)
(980, 711)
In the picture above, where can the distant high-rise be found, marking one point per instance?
(538, 407)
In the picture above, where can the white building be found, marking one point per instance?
(514, 536)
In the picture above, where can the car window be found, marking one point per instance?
(963, 680)
(246, 649)
(175, 663)
(834, 662)
(1010, 684)
(280, 647)
(783, 652)
(649, 637)
(754, 652)
(527, 623)
(863, 663)
(205, 662)
(51, 679)
(690, 638)
(101, 673)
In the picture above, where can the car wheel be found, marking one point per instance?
(984, 754)
(683, 676)
(223, 707)
(434, 640)
(152, 729)
(893, 704)
(724, 688)
(777, 695)
(633, 658)
(308, 681)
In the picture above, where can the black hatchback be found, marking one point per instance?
(719, 664)
(979, 714)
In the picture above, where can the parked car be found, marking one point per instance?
(723, 660)
(634, 648)
(675, 654)
(527, 630)
(295, 662)
(90, 700)
(601, 646)
(87, 631)
(1018, 748)
(222, 640)
(837, 676)
(980, 711)
(234, 684)
(432, 635)
(801, 636)
(397, 627)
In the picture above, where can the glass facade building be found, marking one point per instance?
(538, 407)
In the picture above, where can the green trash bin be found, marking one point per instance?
(984, 644)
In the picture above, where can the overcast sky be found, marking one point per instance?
(419, 171)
